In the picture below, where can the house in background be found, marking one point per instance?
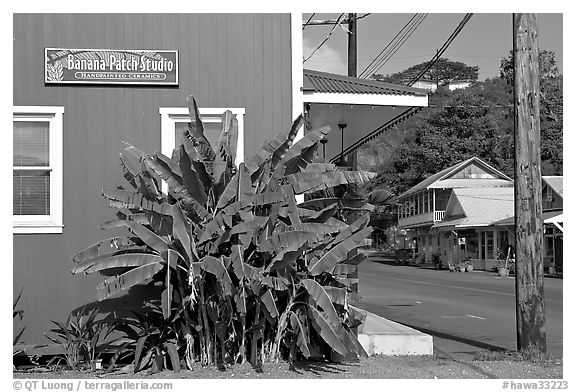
(423, 207)
(553, 221)
(459, 84)
(468, 231)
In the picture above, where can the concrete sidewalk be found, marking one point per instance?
(379, 336)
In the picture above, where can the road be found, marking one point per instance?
(476, 308)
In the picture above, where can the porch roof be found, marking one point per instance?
(548, 217)
(556, 183)
(324, 82)
(480, 207)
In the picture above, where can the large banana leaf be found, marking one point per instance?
(249, 226)
(216, 267)
(173, 354)
(292, 207)
(159, 165)
(161, 224)
(301, 334)
(270, 304)
(131, 171)
(171, 163)
(149, 237)
(337, 295)
(237, 259)
(358, 224)
(323, 215)
(338, 253)
(106, 247)
(280, 143)
(279, 153)
(320, 167)
(322, 299)
(265, 198)
(355, 260)
(196, 128)
(104, 262)
(181, 229)
(190, 178)
(148, 185)
(342, 203)
(223, 156)
(131, 200)
(244, 184)
(229, 193)
(308, 182)
(327, 331)
(214, 226)
(288, 241)
(276, 283)
(302, 152)
(344, 269)
(117, 284)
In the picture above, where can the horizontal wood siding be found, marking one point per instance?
(225, 60)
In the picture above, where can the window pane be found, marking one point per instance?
(31, 143)
(31, 192)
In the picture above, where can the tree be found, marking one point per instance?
(546, 62)
(444, 69)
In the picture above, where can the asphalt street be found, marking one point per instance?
(464, 312)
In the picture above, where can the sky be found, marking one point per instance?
(484, 41)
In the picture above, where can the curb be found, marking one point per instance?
(379, 336)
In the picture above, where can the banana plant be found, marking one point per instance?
(247, 273)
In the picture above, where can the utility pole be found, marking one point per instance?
(352, 46)
(353, 67)
(530, 319)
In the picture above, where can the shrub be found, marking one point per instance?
(247, 274)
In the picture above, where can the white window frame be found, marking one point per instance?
(169, 116)
(53, 223)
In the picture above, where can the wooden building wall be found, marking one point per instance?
(225, 60)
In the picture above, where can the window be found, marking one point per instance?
(175, 120)
(37, 169)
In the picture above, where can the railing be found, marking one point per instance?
(438, 215)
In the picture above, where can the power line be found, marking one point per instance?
(398, 44)
(390, 43)
(327, 37)
(363, 16)
(308, 21)
(435, 58)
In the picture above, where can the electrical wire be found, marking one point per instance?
(445, 46)
(393, 43)
(399, 44)
(386, 47)
(327, 37)
(363, 16)
(308, 21)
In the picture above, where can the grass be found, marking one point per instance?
(531, 354)
(500, 365)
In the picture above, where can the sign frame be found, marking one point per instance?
(55, 76)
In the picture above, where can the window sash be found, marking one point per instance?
(51, 223)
